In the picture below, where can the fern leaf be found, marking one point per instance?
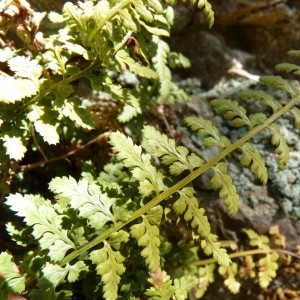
(206, 277)
(47, 224)
(288, 67)
(127, 20)
(188, 206)
(183, 285)
(257, 165)
(282, 148)
(86, 197)
(175, 157)
(160, 61)
(210, 245)
(221, 180)
(257, 240)
(56, 274)
(140, 164)
(294, 53)
(296, 113)
(156, 5)
(109, 264)
(205, 5)
(230, 273)
(267, 269)
(206, 128)
(177, 60)
(264, 98)
(279, 83)
(257, 119)
(135, 67)
(142, 10)
(10, 274)
(128, 113)
(147, 235)
(232, 111)
(155, 30)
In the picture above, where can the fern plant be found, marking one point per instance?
(106, 233)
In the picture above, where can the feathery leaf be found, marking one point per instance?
(221, 180)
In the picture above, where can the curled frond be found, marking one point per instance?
(177, 157)
(150, 180)
(263, 97)
(253, 158)
(231, 110)
(211, 134)
(282, 149)
(223, 182)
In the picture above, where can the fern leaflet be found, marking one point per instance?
(177, 158)
(147, 235)
(46, 222)
(221, 180)
(150, 180)
(257, 165)
(86, 197)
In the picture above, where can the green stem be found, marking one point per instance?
(179, 185)
(243, 254)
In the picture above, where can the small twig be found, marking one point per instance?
(100, 138)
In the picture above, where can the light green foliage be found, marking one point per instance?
(150, 180)
(211, 135)
(46, 223)
(250, 157)
(147, 235)
(282, 148)
(223, 182)
(229, 273)
(178, 158)
(109, 266)
(11, 280)
(91, 227)
(86, 197)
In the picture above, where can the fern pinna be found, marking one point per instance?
(95, 221)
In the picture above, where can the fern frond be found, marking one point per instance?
(264, 98)
(257, 240)
(177, 158)
(295, 53)
(279, 83)
(230, 273)
(223, 182)
(109, 264)
(86, 197)
(288, 67)
(253, 158)
(205, 128)
(206, 277)
(46, 222)
(188, 206)
(296, 113)
(147, 235)
(282, 149)
(232, 111)
(183, 285)
(267, 269)
(150, 180)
